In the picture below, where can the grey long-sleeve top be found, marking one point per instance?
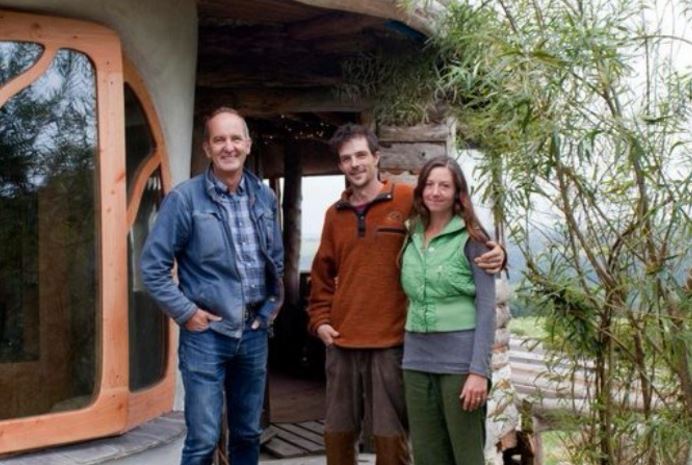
(459, 352)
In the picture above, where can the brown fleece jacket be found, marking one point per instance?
(355, 274)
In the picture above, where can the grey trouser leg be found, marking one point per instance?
(366, 383)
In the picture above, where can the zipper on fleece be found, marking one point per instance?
(342, 205)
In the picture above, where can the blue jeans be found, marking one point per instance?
(212, 364)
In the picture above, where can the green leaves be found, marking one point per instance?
(585, 124)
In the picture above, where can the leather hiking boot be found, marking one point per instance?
(340, 448)
(392, 450)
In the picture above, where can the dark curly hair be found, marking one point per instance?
(349, 131)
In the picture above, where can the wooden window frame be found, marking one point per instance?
(150, 402)
(113, 408)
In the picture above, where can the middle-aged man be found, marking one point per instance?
(357, 307)
(222, 230)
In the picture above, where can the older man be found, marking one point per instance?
(222, 230)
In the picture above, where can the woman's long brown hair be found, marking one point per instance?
(462, 199)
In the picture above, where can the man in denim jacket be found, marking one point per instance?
(222, 230)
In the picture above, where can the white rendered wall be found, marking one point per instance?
(160, 38)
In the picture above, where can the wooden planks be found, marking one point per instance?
(314, 426)
(295, 439)
(302, 433)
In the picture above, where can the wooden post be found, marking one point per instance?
(293, 172)
(275, 185)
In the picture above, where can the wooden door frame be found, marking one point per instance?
(150, 402)
(113, 408)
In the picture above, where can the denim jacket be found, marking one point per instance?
(192, 230)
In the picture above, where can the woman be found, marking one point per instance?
(450, 322)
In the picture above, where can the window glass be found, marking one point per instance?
(147, 324)
(48, 266)
(138, 139)
(17, 57)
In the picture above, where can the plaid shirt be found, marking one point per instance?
(245, 242)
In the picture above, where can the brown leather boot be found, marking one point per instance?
(340, 448)
(392, 450)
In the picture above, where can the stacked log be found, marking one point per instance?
(503, 417)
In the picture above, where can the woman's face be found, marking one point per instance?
(439, 191)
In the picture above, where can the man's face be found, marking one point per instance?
(358, 164)
(228, 144)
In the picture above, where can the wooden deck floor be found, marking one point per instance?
(286, 440)
(297, 412)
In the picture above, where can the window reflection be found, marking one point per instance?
(138, 139)
(48, 239)
(17, 57)
(147, 324)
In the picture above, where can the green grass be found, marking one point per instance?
(554, 453)
(528, 326)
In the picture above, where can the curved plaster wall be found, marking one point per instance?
(160, 38)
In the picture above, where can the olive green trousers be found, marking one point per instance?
(442, 433)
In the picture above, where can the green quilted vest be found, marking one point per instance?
(438, 282)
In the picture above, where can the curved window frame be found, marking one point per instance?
(113, 409)
(150, 402)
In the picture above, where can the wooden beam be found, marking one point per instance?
(346, 44)
(333, 24)
(309, 53)
(258, 102)
(388, 9)
(273, 69)
(254, 11)
(260, 40)
(411, 157)
(417, 133)
(421, 17)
